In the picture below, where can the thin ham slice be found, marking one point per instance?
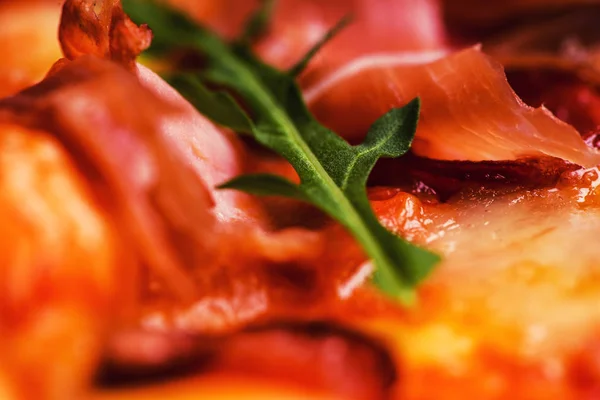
(469, 111)
(568, 97)
(320, 357)
(217, 155)
(378, 26)
(86, 104)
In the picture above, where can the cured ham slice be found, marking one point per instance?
(322, 358)
(216, 155)
(469, 111)
(568, 97)
(378, 26)
(148, 183)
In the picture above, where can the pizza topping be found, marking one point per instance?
(469, 111)
(109, 34)
(445, 178)
(332, 173)
(378, 27)
(126, 157)
(133, 192)
(314, 355)
(216, 155)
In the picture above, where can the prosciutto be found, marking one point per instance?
(376, 28)
(318, 356)
(216, 155)
(469, 111)
(380, 26)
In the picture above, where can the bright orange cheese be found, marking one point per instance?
(514, 304)
(58, 269)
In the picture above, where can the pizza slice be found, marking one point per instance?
(129, 271)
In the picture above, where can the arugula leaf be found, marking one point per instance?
(265, 185)
(301, 65)
(219, 106)
(333, 173)
(258, 22)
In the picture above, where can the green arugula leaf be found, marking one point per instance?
(219, 106)
(265, 185)
(337, 28)
(333, 173)
(258, 22)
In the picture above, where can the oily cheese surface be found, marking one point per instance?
(514, 307)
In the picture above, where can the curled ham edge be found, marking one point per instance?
(548, 135)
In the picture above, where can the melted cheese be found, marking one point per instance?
(213, 387)
(58, 269)
(515, 299)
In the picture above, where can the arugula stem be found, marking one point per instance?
(333, 174)
(353, 220)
